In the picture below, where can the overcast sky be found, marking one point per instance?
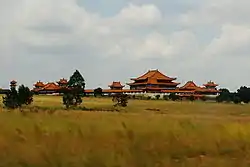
(115, 40)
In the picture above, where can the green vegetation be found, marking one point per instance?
(73, 92)
(145, 133)
(14, 99)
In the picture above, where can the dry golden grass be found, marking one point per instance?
(146, 133)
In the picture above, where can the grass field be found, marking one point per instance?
(145, 134)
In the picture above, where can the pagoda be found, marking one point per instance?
(13, 84)
(39, 85)
(190, 86)
(153, 81)
(116, 86)
(210, 88)
(62, 82)
(210, 85)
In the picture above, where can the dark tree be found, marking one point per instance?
(120, 99)
(173, 97)
(14, 99)
(244, 94)
(157, 97)
(191, 98)
(74, 91)
(98, 92)
(224, 96)
(76, 81)
(165, 97)
(25, 96)
(203, 98)
(235, 98)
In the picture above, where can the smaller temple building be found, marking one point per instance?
(116, 86)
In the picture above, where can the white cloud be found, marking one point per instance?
(143, 15)
(234, 40)
(216, 13)
(61, 31)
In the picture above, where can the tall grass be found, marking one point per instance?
(186, 134)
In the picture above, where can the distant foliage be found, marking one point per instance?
(173, 97)
(98, 92)
(191, 98)
(224, 96)
(76, 81)
(157, 97)
(14, 99)
(165, 97)
(120, 100)
(242, 95)
(74, 91)
(203, 98)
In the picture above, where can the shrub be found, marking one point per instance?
(98, 92)
(120, 99)
(173, 96)
(191, 98)
(14, 99)
(157, 97)
(165, 97)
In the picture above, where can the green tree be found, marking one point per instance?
(157, 97)
(224, 96)
(98, 92)
(73, 93)
(14, 99)
(173, 96)
(76, 81)
(191, 98)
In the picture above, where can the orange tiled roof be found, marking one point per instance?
(190, 85)
(210, 83)
(155, 82)
(116, 84)
(51, 86)
(63, 81)
(39, 84)
(154, 77)
(156, 74)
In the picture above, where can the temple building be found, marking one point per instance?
(153, 81)
(39, 85)
(116, 86)
(62, 82)
(210, 85)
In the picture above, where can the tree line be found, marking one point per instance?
(241, 95)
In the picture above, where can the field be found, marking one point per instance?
(152, 133)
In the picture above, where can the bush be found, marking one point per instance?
(165, 97)
(14, 99)
(120, 99)
(173, 97)
(191, 98)
(157, 97)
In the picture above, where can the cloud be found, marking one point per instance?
(46, 39)
(234, 40)
(216, 13)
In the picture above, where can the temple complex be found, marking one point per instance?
(152, 82)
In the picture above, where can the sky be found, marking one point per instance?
(115, 40)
